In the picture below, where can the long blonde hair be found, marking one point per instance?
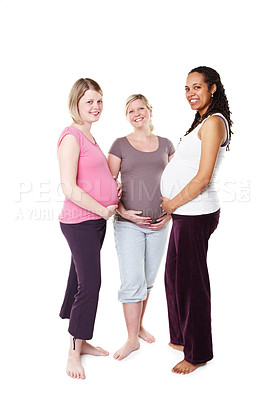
(134, 97)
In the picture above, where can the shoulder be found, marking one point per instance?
(213, 128)
(168, 145)
(214, 121)
(120, 140)
(117, 146)
(164, 139)
(69, 136)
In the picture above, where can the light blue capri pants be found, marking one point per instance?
(140, 251)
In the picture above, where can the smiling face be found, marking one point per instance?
(138, 114)
(198, 93)
(90, 106)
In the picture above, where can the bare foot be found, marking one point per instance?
(74, 367)
(184, 367)
(87, 348)
(145, 335)
(126, 349)
(176, 346)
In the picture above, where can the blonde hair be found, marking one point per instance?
(77, 91)
(134, 97)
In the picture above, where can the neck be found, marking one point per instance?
(85, 128)
(142, 133)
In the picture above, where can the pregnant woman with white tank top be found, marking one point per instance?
(189, 194)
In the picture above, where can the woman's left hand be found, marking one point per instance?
(160, 222)
(167, 205)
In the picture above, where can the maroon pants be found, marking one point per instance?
(85, 240)
(188, 287)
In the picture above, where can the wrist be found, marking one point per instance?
(121, 210)
(124, 213)
(172, 207)
(104, 213)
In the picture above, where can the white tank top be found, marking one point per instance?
(183, 168)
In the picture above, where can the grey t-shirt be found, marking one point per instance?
(141, 174)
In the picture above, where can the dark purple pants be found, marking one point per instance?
(85, 240)
(188, 287)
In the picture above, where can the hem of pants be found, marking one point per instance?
(135, 300)
(81, 337)
(198, 362)
(132, 301)
(64, 317)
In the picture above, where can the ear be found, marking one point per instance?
(213, 88)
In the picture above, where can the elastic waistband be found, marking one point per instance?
(92, 222)
(179, 216)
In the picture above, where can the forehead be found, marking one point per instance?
(194, 78)
(91, 95)
(136, 103)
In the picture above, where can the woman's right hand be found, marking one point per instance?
(134, 216)
(109, 211)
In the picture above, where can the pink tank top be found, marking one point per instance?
(93, 176)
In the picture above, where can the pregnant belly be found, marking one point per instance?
(169, 186)
(102, 190)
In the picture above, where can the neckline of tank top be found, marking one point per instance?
(140, 151)
(73, 127)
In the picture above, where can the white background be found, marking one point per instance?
(128, 47)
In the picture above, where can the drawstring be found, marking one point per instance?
(74, 343)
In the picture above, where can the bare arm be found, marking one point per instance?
(132, 215)
(68, 163)
(170, 157)
(213, 134)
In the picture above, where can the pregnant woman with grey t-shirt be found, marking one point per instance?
(140, 226)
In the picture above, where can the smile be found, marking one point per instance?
(139, 119)
(193, 101)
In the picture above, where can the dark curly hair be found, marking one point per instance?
(219, 102)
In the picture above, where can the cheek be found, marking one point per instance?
(129, 117)
(80, 107)
(147, 115)
(208, 97)
(82, 111)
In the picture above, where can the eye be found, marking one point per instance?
(89, 102)
(196, 87)
(131, 111)
(99, 101)
(186, 89)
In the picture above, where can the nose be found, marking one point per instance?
(96, 105)
(136, 113)
(190, 93)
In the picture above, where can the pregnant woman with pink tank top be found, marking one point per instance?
(140, 225)
(91, 199)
